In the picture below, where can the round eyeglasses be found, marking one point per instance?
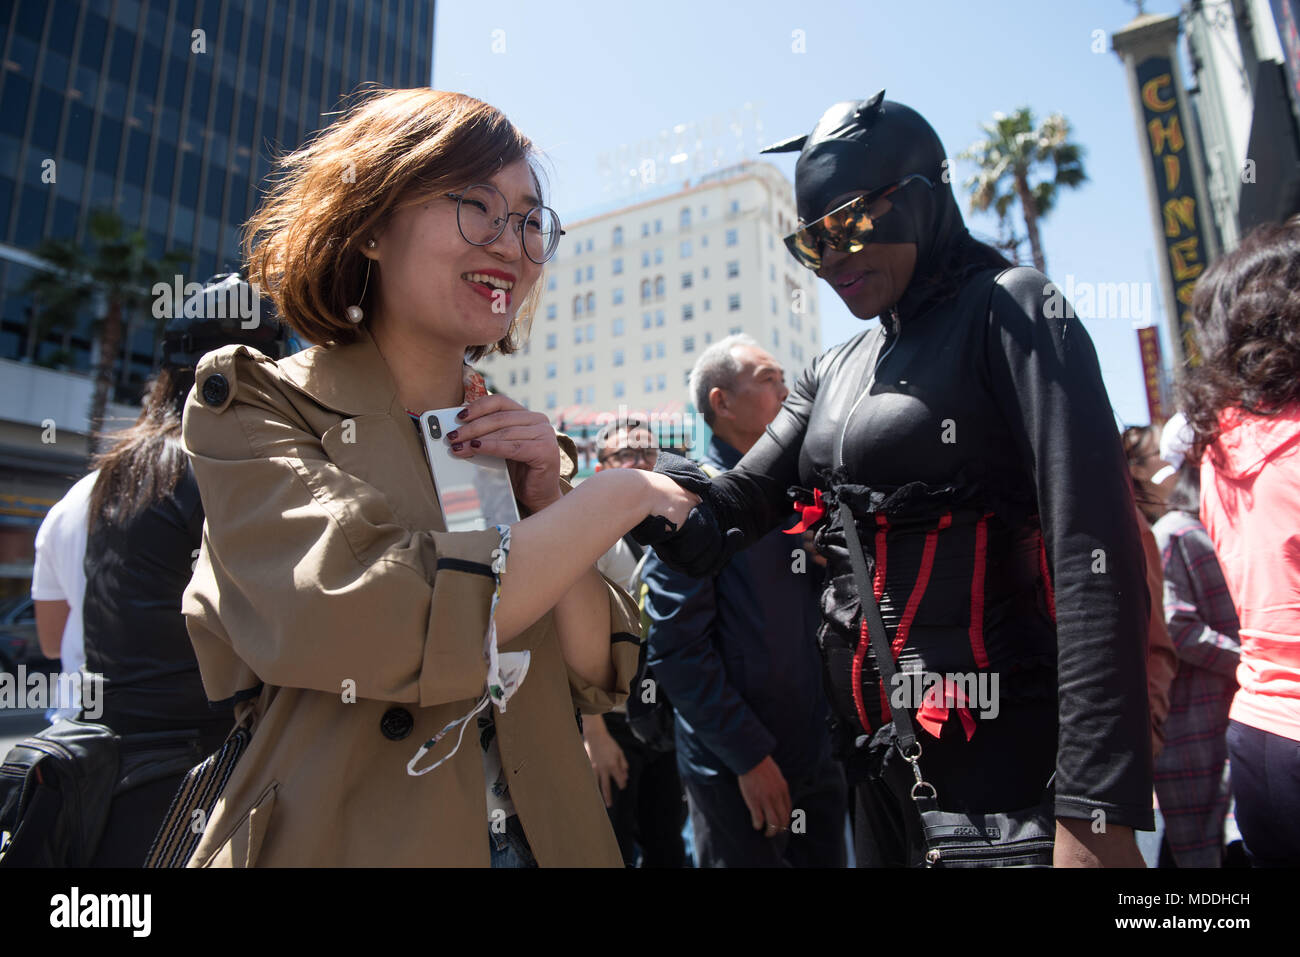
(482, 214)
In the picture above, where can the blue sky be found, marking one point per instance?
(584, 78)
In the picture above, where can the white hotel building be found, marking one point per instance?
(633, 296)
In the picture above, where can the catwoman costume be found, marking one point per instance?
(971, 435)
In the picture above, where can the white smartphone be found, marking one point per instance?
(475, 493)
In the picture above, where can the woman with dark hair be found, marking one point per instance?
(969, 437)
(1243, 404)
(1191, 772)
(145, 527)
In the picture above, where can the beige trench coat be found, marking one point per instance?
(325, 568)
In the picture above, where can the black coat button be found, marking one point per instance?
(215, 389)
(396, 724)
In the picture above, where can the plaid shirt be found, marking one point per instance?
(1189, 773)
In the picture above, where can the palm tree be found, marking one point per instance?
(118, 273)
(1013, 150)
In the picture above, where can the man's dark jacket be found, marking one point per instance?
(737, 654)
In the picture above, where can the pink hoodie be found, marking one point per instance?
(1250, 504)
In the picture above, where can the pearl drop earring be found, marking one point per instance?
(355, 315)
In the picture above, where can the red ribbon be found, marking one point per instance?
(811, 514)
(934, 710)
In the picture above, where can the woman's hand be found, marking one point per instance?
(496, 425)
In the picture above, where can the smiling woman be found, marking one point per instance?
(329, 603)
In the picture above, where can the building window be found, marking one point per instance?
(618, 357)
(708, 304)
(550, 400)
(590, 269)
(659, 317)
(577, 248)
(550, 340)
(660, 351)
(550, 283)
(704, 212)
(649, 384)
(577, 367)
(659, 287)
(732, 237)
(591, 332)
(513, 376)
(708, 338)
(688, 344)
(589, 250)
(647, 352)
(645, 321)
(686, 377)
(617, 269)
(735, 207)
(688, 312)
(577, 275)
(645, 229)
(577, 306)
(577, 394)
(776, 338)
(550, 311)
(659, 225)
(770, 244)
(659, 255)
(685, 220)
(550, 370)
(618, 237)
(686, 249)
(771, 271)
(591, 302)
(687, 280)
(645, 290)
(591, 362)
(618, 389)
(645, 259)
(733, 302)
(704, 273)
(618, 297)
(525, 377)
(577, 335)
(733, 269)
(704, 242)
(662, 381)
(618, 327)
(735, 331)
(774, 305)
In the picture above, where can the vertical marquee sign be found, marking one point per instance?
(1173, 173)
(1180, 215)
(1149, 347)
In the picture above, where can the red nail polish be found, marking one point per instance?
(456, 447)
(475, 443)
(462, 414)
(453, 435)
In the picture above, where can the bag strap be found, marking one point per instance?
(908, 746)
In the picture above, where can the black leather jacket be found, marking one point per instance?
(967, 424)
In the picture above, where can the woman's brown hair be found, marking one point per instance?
(1247, 312)
(392, 148)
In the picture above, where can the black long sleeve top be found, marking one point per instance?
(974, 421)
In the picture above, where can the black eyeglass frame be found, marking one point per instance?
(850, 242)
(505, 221)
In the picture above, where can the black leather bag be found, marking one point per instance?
(1022, 838)
(55, 792)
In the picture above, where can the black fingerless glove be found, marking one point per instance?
(701, 547)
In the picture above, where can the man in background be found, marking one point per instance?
(631, 748)
(738, 656)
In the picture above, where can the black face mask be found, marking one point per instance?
(869, 145)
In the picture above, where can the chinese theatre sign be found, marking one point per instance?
(1167, 148)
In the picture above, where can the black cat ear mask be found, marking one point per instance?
(866, 145)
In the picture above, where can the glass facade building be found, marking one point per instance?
(170, 112)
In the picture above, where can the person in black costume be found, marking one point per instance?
(145, 528)
(972, 437)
